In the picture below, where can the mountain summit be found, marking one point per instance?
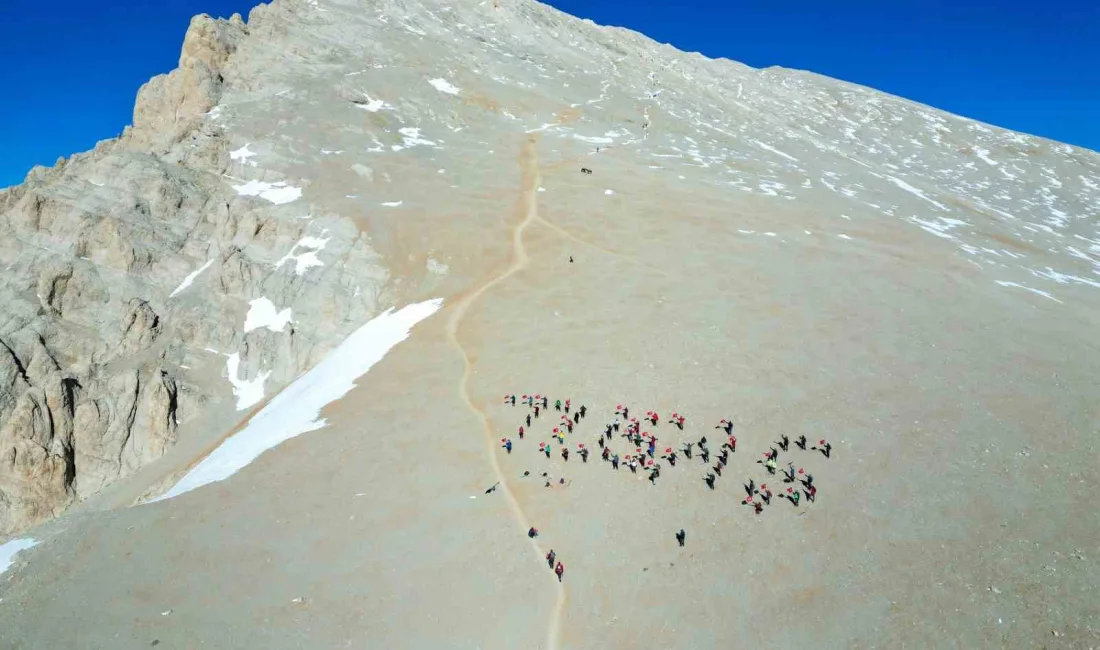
(477, 198)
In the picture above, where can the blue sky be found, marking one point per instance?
(71, 69)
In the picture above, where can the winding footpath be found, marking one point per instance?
(530, 180)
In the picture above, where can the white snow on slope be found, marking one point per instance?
(307, 260)
(1026, 288)
(243, 155)
(262, 313)
(773, 150)
(248, 392)
(410, 137)
(912, 190)
(444, 86)
(10, 549)
(190, 278)
(392, 204)
(277, 193)
(297, 408)
(374, 105)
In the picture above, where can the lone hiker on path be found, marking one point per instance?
(560, 569)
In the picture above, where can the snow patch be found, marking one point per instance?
(262, 313)
(1026, 288)
(297, 408)
(248, 393)
(277, 193)
(392, 204)
(308, 259)
(190, 278)
(914, 191)
(609, 192)
(242, 155)
(10, 549)
(444, 86)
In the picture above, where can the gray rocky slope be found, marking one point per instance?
(305, 170)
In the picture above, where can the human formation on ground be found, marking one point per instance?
(625, 445)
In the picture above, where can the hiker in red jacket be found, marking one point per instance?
(560, 569)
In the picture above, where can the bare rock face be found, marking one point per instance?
(168, 105)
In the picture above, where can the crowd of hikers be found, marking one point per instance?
(646, 456)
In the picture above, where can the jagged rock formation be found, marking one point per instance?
(250, 174)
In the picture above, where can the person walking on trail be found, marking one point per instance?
(528, 420)
(521, 432)
(550, 557)
(680, 537)
(557, 405)
(560, 569)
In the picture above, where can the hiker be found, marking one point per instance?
(615, 462)
(717, 469)
(626, 413)
(600, 441)
(654, 474)
(633, 465)
(723, 457)
(784, 442)
(801, 442)
(793, 496)
(533, 533)
(732, 444)
(765, 493)
(584, 411)
(774, 454)
(616, 425)
(566, 406)
(557, 405)
(652, 417)
(560, 569)
(565, 454)
(809, 480)
(811, 493)
(521, 432)
(757, 507)
(536, 412)
(678, 420)
(547, 450)
(704, 454)
(702, 442)
(788, 474)
(550, 557)
(584, 454)
(709, 480)
(508, 445)
(825, 448)
(726, 426)
(687, 449)
(577, 417)
(680, 537)
(750, 488)
(570, 259)
(528, 420)
(606, 450)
